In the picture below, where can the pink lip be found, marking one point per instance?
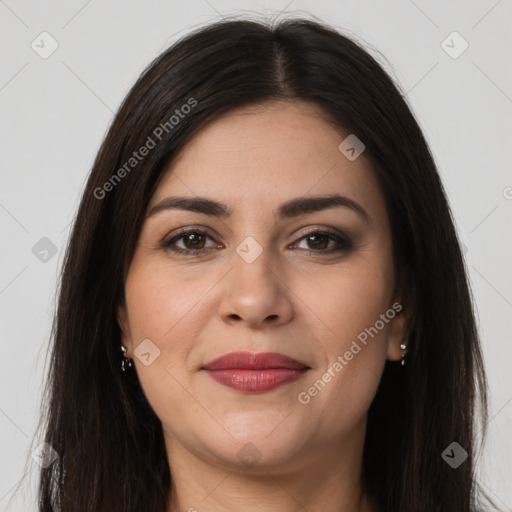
(246, 371)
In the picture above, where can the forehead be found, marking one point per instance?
(261, 156)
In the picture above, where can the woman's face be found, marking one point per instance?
(314, 285)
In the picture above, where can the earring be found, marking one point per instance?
(127, 362)
(403, 347)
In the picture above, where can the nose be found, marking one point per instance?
(256, 294)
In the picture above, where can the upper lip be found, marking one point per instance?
(252, 361)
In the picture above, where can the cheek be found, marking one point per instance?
(349, 300)
(160, 300)
(163, 308)
(353, 338)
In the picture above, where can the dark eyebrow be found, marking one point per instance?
(292, 208)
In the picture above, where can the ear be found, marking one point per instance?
(124, 326)
(401, 325)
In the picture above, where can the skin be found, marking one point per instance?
(308, 306)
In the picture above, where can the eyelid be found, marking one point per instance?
(324, 231)
(187, 229)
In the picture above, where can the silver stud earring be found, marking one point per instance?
(403, 347)
(126, 362)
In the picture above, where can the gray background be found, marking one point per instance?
(55, 112)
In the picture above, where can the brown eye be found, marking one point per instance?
(318, 242)
(193, 241)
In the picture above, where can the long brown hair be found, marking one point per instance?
(110, 446)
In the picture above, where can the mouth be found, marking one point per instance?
(245, 371)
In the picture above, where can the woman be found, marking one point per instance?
(262, 242)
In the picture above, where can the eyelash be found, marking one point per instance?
(344, 242)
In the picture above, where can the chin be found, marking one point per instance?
(258, 447)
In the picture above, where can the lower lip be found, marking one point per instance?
(256, 380)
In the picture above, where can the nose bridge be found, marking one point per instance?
(255, 291)
(254, 266)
